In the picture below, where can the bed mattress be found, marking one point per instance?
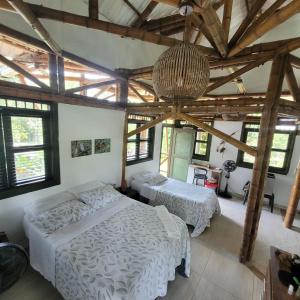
(120, 252)
(195, 205)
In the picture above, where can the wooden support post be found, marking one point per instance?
(217, 133)
(261, 163)
(122, 92)
(53, 72)
(93, 9)
(293, 201)
(61, 75)
(124, 154)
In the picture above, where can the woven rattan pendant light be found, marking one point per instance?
(181, 73)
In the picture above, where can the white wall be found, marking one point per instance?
(77, 122)
(241, 175)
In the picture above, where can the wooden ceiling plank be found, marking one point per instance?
(277, 18)
(20, 70)
(292, 82)
(246, 22)
(25, 11)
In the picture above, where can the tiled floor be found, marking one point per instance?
(216, 272)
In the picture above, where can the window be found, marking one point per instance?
(202, 144)
(282, 147)
(140, 146)
(29, 158)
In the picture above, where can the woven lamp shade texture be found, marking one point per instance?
(181, 72)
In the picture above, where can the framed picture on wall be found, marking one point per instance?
(81, 148)
(102, 146)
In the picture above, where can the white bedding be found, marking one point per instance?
(193, 204)
(124, 251)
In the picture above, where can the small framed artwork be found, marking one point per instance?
(81, 148)
(102, 146)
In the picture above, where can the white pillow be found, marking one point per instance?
(100, 197)
(157, 179)
(39, 206)
(151, 178)
(76, 190)
(143, 176)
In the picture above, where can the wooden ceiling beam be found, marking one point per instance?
(239, 72)
(295, 61)
(9, 89)
(25, 11)
(148, 88)
(246, 22)
(227, 18)
(150, 124)
(156, 24)
(264, 16)
(136, 92)
(292, 82)
(124, 31)
(91, 86)
(214, 26)
(277, 18)
(132, 7)
(23, 72)
(145, 14)
(229, 139)
(239, 96)
(93, 9)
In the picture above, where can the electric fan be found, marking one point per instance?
(228, 166)
(13, 264)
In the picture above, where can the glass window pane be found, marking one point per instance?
(277, 159)
(11, 103)
(280, 141)
(131, 151)
(252, 138)
(202, 136)
(144, 135)
(27, 131)
(20, 104)
(29, 105)
(200, 148)
(29, 165)
(248, 158)
(130, 128)
(2, 102)
(143, 149)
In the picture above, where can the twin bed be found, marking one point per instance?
(195, 205)
(95, 243)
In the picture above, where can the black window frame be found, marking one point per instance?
(51, 147)
(138, 140)
(289, 151)
(208, 145)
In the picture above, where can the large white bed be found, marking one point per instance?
(122, 250)
(195, 205)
